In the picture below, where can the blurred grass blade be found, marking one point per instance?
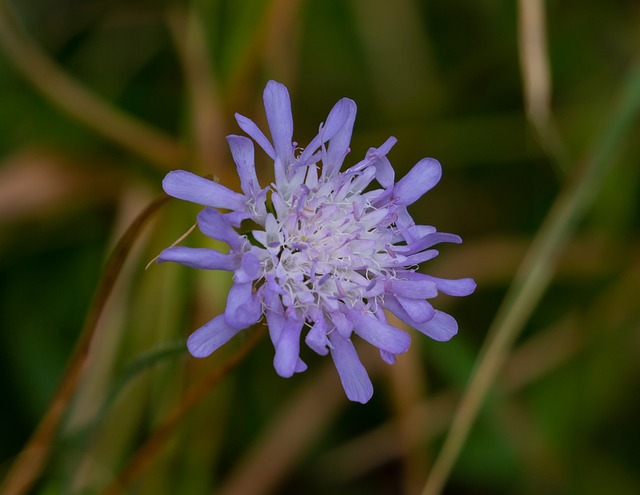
(80, 103)
(207, 122)
(33, 456)
(139, 365)
(536, 78)
(534, 275)
(150, 449)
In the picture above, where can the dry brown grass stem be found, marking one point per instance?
(33, 457)
(207, 121)
(536, 79)
(152, 447)
(79, 102)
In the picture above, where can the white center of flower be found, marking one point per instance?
(326, 245)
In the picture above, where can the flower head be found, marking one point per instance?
(324, 254)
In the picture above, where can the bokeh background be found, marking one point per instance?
(99, 99)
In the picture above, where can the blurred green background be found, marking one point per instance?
(101, 98)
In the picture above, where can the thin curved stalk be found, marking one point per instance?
(534, 276)
(152, 447)
(33, 456)
(536, 80)
(207, 121)
(79, 102)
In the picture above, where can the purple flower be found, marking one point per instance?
(320, 254)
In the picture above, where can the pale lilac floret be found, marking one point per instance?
(327, 253)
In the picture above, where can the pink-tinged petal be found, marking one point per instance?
(379, 334)
(441, 327)
(353, 375)
(190, 187)
(277, 105)
(288, 346)
(423, 176)
(243, 308)
(213, 224)
(243, 156)
(210, 337)
(249, 126)
(202, 258)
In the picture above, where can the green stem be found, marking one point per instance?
(534, 276)
(152, 447)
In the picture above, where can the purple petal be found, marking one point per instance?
(460, 287)
(343, 325)
(393, 304)
(210, 337)
(288, 346)
(339, 144)
(416, 259)
(274, 309)
(385, 175)
(408, 228)
(243, 156)
(214, 225)
(353, 375)
(427, 241)
(423, 176)
(316, 339)
(300, 366)
(377, 333)
(441, 327)
(418, 310)
(190, 187)
(277, 105)
(414, 289)
(202, 258)
(387, 357)
(244, 308)
(249, 126)
(249, 269)
(336, 120)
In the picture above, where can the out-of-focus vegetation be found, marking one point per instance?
(99, 99)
